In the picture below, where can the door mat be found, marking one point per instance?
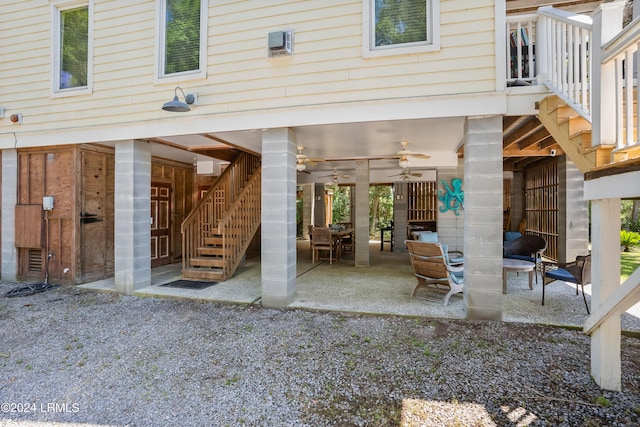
(189, 284)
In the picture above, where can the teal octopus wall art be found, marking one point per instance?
(452, 198)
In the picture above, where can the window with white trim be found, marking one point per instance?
(182, 38)
(72, 47)
(393, 27)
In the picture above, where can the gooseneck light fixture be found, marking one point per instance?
(178, 106)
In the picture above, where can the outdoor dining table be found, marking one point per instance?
(337, 236)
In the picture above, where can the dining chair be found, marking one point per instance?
(322, 241)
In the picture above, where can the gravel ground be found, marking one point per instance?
(76, 357)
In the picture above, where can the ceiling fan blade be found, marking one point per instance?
(316, 160)
(420, 156)
(416, 174)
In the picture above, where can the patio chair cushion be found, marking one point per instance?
(427, 236)
(561, 274)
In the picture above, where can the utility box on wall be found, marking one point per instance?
(280, 43)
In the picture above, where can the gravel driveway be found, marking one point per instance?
(74, 357)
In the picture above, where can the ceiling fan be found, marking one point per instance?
(334, 176)
(404, 154)
(302, 160)
(406, 174)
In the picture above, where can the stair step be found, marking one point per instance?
(213, 241)
(210, 250)
(199, 273)
(206, 262)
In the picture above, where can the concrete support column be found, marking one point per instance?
(517, 200)
(400, 215)
(605, 280)
(319, 219)
(573, 214)
(308, 204)
(278, 217)
(483, 218)
(362, 214)
(132, 215)
(9, 272)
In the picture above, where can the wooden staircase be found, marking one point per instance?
(572, 132)
(218, 231)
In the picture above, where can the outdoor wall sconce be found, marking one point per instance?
(178, 106)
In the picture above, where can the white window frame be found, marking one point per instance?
(201, 73)
(56, 8)
(432, 44)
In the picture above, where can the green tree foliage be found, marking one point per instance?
(182, 36)
(380, 207)
(400, 21)
(341, 203)
(74, 39)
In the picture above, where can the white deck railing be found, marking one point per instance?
(520, 48)
(564, 59)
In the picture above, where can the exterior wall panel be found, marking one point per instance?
(327, 65)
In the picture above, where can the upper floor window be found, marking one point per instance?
(400, 26)
(71, 48)
(182, 26)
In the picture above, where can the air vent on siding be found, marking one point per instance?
(280, 43)
(35, 260)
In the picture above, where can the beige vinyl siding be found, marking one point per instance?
(327, 65)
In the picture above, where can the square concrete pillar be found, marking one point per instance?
(308, 205)
(278, 261)
(132, 216)
(573, 212)
(400, 215)
(9, 271)
(517, 200)
(319, 218)
(361, 225)
(483, 181)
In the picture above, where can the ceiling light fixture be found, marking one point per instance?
(178, 106)
(404, 162)
(300, 166)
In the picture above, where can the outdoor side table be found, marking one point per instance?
(516, 265)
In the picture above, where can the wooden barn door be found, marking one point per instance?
(160, 224)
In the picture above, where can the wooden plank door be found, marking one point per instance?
(160, 224)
